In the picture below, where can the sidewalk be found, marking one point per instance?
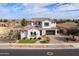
(39, 46)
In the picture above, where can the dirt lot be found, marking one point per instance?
(4, 30)
(67, 25)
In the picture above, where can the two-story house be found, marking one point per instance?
(38, 28)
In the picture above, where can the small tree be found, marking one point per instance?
(73, 32)
(5, 20)
(18, 35)
(78, 24)
(23, 22)
(0, 20)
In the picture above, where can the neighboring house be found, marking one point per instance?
(38, 28)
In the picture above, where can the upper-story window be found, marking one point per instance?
(46, 24)
(39, 23)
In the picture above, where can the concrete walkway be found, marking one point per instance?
(39, 46)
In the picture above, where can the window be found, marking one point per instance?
(39, 23)
(40, 32)
(46, 24)
(33, 33)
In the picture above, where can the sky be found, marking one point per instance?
(39, 10)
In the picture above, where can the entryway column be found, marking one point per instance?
(55, 31)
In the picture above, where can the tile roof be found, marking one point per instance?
(39, 19)
(38, 28)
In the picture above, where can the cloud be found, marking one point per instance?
(29, 10)
(52, 10)
(69, 7)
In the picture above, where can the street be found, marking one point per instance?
(39, 52)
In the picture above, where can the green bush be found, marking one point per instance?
(44, 41)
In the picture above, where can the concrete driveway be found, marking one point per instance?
(52, 39)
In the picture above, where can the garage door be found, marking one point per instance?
(50, 32)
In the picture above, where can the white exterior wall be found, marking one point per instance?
(43, 32)
(28, 36)
(23, 34)
(53, 24)
(50, 24)
(33, 30)
(32, 24)
(55, 31)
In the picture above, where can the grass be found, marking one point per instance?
(44, 41)
(27, 41)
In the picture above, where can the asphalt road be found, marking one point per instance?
(39, 52)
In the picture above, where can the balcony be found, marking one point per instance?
(37, 24)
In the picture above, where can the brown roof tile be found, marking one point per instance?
(39, 19)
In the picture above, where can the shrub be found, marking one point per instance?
(44, 41)
(34, 37)
(24, 38)
(39, 38)
(30, 38)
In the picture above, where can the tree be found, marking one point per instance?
(23, 22)
(60, 21)
(78, 24)
(73, 32)
(68, 20)
(0, 20)
(5, 20)
(18, 35)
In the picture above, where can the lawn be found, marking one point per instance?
(27, 41)
(43, 40)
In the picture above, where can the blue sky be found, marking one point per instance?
(35, 10)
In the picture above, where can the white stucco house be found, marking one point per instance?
(38, 28)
